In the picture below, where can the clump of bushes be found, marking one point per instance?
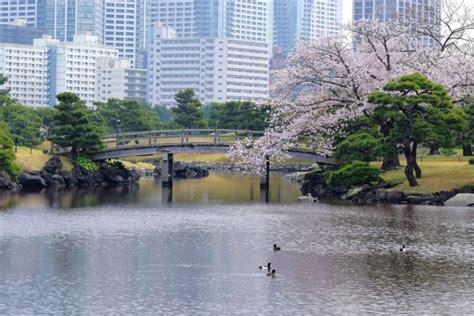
(86, 163)
(115, 164)
(471, 161)
(354, 174)
(360, 146)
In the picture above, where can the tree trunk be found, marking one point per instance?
(467, 149)
(415, 163)
(390, 161)
(390, 158)
(434, 149)
(74, 152)
(407, 150)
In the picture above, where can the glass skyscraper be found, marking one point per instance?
(305, 19)
(61, 19)
(425, 11)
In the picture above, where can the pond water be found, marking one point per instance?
(138, 250)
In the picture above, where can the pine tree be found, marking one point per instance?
(73, 126)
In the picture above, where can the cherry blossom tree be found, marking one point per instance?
(326, 83)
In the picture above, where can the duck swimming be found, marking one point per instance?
(276, 248)
(403, 248)
(272, 273)
(268, 266)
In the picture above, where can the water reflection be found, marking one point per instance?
(196, 258)
(195, 249)
(217, 188)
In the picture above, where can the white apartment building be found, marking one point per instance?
(116, 79)
(218, 69)
(26, 67)
(249, 20)
(75, 66)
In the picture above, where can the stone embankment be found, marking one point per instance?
(315, 183)
(185, 171)
(52, 175)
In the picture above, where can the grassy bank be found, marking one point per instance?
(439, 173)
(36, 159)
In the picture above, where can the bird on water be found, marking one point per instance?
(276, 248)
(268, 266)
(403, 248)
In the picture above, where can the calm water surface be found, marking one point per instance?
(134, 250)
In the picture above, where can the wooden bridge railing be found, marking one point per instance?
(129, 140)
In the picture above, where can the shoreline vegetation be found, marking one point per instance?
(441, 173)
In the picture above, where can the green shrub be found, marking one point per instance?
(471, 161)
(7, 154)
(86, 163)
(116, 164)
(360, 146)
(353, 174)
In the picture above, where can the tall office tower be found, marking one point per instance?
(249, 20)
(303, 20)
(19, 33)
(426, 11)
(121, 27)
(218, 69)
(61, 19)
(11, 10)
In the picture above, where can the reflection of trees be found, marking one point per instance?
(8, 200)
(91, 196)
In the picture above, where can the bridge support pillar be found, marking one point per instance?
(167, 180)
(265, 179)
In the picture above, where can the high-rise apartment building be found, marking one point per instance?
(305, 19)
(26, 67)
(218, 69)
(75, 66)
(115, 78)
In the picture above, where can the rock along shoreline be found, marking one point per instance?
(53, 176)
(315, 184)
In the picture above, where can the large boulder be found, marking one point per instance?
(6, 182)
(53, 166)
(394, 197)
(70, 179)
(32, 181)
(185, 171)
(461, 199)
(52, 173)
(87, 178)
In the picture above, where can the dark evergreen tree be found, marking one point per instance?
(188, 112)
(73, 126)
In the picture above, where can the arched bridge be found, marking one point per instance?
(121, 145)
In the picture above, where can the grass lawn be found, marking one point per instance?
(144, 165)
(439, 173)
(36, 159)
